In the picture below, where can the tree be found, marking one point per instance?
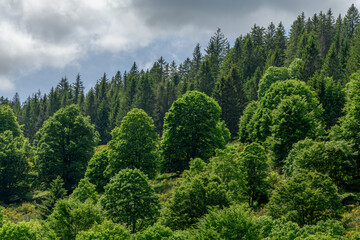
(64, 144)
(106, 230)
(304, 198)
(134, 144)
(15, 153)
(56, 192)
(234, 222)
(334, 158)
(231, 99)
(331, 96)
(272, 75)
(70, 217)
(191, 130)
(292, 121)
(102, 122)
(253, 163)
(351, 21)
(197, 192)
(310, 55)
(85, 191)
(129, 199)
(349, 125)
(95, 170)
(155, 232)
(248, 113)
(8, 121)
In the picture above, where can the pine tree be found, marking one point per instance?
(351, 21)
(296, 31)
(231, 98)
(56, 192)
(311, 58)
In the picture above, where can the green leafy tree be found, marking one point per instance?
(19, 231)
(85, 191)
(234, 222)
(15, 153)
(292, 121)
(134, 144)
(248, 113)
(70, 217)
(349, 125)
(65, 144)
(335, 158)
(304, 198)
(192, 198)
(129, 199)
(272, 75)
(191, 130)
(8, 121)
(155, 232)
(56, 192)
(104, 231)
(225, 165)
(95, 171)
(253, 162)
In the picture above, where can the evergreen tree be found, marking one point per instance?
(351, 21)
(231, 99)
(56, 192)
(296, 31)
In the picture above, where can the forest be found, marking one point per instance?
(256, 139)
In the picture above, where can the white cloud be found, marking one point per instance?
(6, 84)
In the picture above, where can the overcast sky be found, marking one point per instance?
(42, 41)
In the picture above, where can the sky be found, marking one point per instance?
(42, 41)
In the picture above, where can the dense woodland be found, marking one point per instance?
(258, 139)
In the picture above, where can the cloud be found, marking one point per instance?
(6, 84)
(36, 34)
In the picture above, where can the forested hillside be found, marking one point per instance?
(256, 139)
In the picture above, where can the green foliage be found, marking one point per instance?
(254, 167)
(134, 144)
(331, 96)
(85, 191)
(305, 198)
(191, 130)
(19, 231)
(272, 75)
(349, 125)
(248, 113)
(191, 199)
(104, 231)
(15, 153)
(70, 217)
(8, 121)
(234, 222)
(287, 230)
(230, 95)
(56, 192)
(155, 232)
(292, 120)
(226, 165)
(334, 158)
(65, 144)
(95, 171)
(129, 199)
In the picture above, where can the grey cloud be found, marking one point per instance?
(232, 14)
